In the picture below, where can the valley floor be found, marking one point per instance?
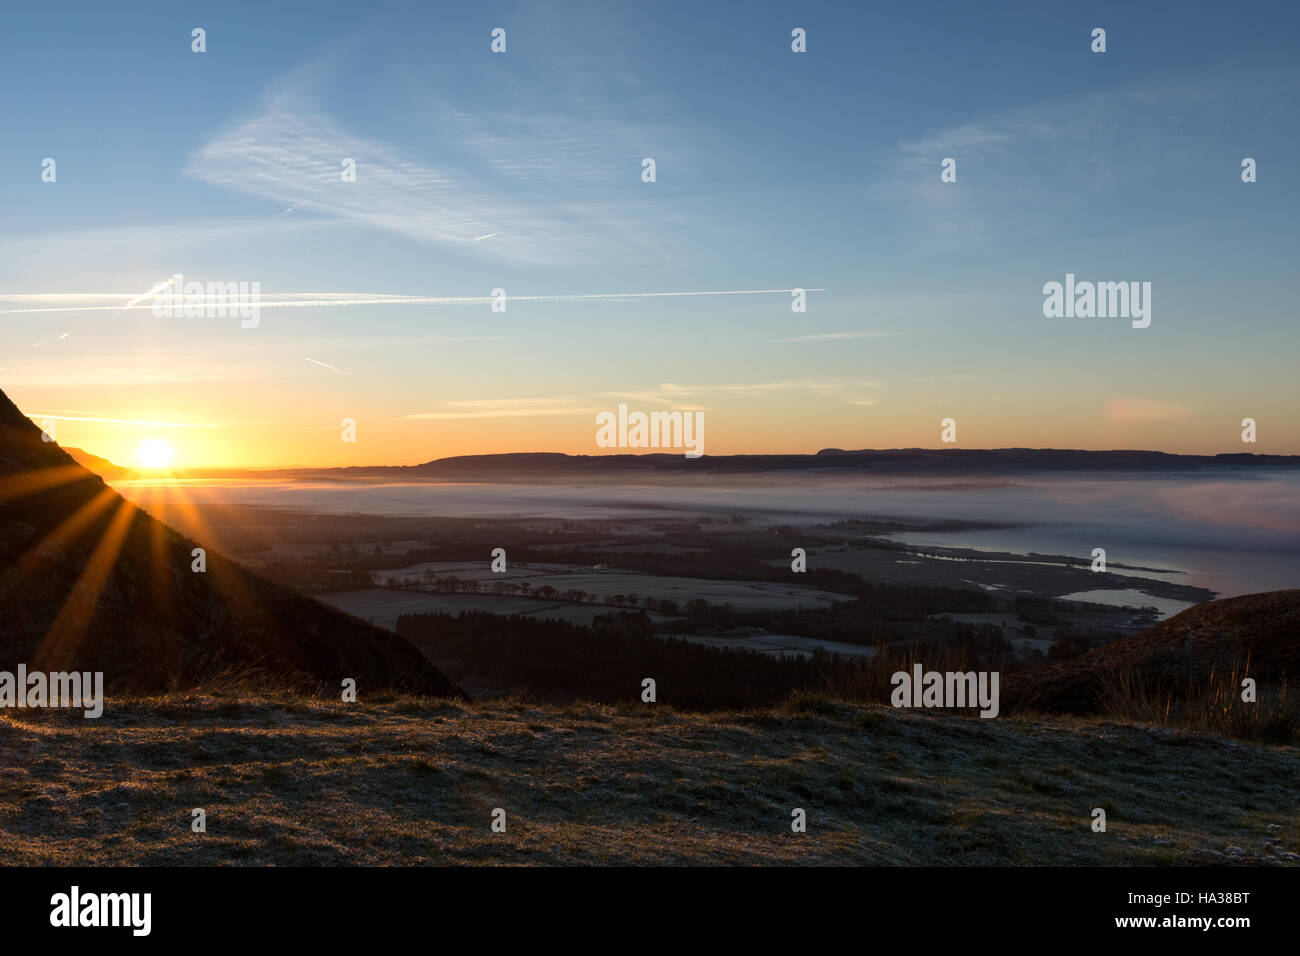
(406, 781)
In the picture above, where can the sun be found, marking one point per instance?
(154, 453)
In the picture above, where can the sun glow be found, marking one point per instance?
(154, 453)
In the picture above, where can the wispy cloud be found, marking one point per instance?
(511, 407)
(667, 395)
(1021, 172)
(292, 154)
(821, 387)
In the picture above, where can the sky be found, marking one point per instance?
(523, 171)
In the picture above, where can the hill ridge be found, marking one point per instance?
(1251, 634)
(91, 582)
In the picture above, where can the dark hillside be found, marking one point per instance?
(90, 582)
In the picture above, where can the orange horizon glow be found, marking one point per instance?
(382, 442)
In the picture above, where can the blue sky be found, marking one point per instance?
(774, 170)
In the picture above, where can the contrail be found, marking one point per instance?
(330, 367)
(158, 287)
(293, 300)
(488, 236)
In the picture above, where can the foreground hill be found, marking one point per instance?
(414, 780)
(90, 582)
(1212, 645)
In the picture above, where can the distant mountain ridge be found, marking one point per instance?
(90, 582)
(897, 461)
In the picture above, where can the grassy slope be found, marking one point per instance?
(414, 781)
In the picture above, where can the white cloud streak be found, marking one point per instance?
(292, 155)
(302, 300)
(668, 394)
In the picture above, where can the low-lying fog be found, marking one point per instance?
(1236, 535)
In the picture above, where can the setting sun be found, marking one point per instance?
(154, 453)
